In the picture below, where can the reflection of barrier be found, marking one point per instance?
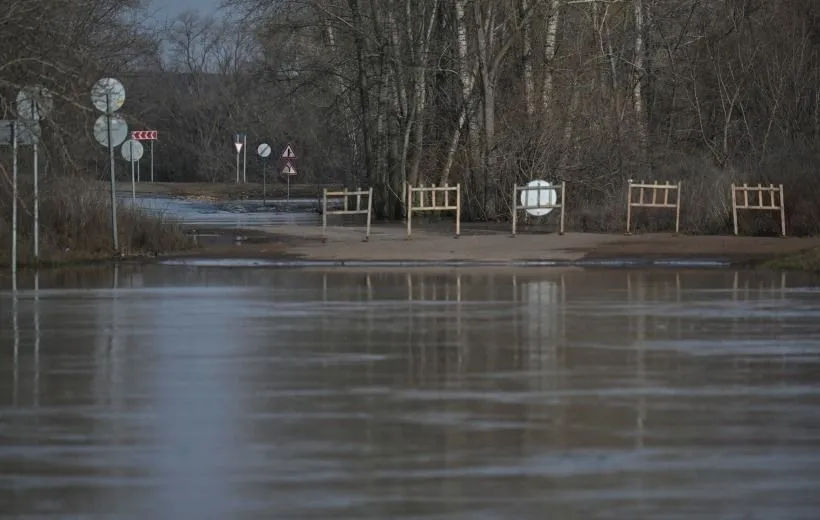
(539, 203)
(417, 204)
(642, 201)
(762, 204)
(345, 195)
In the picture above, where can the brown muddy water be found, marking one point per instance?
(212, 393)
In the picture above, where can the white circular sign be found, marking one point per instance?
(119, 130)
(132, 150)
(263, 150)
(34, 103)
(108, 95)
(536, 199)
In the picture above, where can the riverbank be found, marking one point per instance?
(436, 244)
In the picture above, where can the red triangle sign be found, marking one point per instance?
(288, 153)
(289, 169)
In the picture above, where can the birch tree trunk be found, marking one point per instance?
(638, 78)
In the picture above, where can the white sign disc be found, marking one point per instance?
(263, 150)
(536, 199)
(132, 150)
(34, 103)
(119, 130)
(108, 95)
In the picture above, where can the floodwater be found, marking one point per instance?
(211, 393)
(239, 213)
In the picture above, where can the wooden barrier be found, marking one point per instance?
(642, 201)
(435, 205)
(761, 204)
(560, 205)
(346, 195)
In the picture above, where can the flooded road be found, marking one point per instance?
(227, 214)
(189, 392)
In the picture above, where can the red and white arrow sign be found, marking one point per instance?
(144, 135)
(288, 153)
(288, 169)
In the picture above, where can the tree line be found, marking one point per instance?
(487, 93)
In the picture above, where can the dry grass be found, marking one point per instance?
(75, 225)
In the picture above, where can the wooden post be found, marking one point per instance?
(409, 210)
(734, 207)
(563, 204)
(458, 210)
(677, 210)
(324, 215)
(782, 212)
(628, 207)
(369, 212)
(514, 209)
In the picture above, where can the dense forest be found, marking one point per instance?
(487, 93)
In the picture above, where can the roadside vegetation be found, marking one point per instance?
(75, 226)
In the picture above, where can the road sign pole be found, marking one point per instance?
(264, 182)
(288, 187)
(14, 205)
(112, 170)
(152, 161)
(133, 183)
(237, 166)
(138, 172)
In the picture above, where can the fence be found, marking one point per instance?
(547, 205)
(773, 205)
(642, 202)
(346, 195)
(435, 205)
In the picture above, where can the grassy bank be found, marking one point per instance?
(75, 225)
(808, 261)
(225, 191)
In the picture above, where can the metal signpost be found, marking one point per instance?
(110, 130)
(147, 135)
(13, 134)
(132, 151)
(238, 142)
(264, 152)
(289, 156)
(34, 104)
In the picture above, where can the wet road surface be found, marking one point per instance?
(187, 392)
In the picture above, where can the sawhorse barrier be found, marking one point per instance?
(419, 204)
(653, 202)
(346, 195)
(539, 203)
(761, 204)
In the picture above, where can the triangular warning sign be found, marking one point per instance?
(289, 169)
(288, 153)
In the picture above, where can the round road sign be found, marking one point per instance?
(108, 95)
(119, 130)
(264, 150)
(537, 199)
(34, 103)
(132, 150)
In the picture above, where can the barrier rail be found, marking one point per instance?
(345, 195)
(654, 202)
(773, 204)
(435, 205)
(538, 205)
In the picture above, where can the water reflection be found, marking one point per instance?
(212, 393)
